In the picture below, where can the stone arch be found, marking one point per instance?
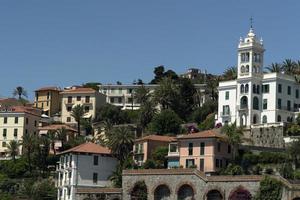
(139, 191)
(240, 193)
(244, 102)
(214, 194)
(186, 191)
(162, 192)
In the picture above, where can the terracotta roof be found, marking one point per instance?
(203, 134)
(78, 90)
(97, 190)
(52, 88)
(88, 147)
(157, 138)
(10, 102)
(55, 127)
(22, 109)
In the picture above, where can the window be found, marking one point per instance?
(217, 163)
(69, 108)
(69, 99)
(129, 91)
(242, 89)
(27, 121)
(86, 108)
(5, 120)
(202, 148)
(78, 98)
(68, 119)
(190, 149)
(227, 95)
(3, 144)
(96, 160)
(112, 100)
(254, 89)
(265, 104)
(69, 191)
(219, 147)
(229, 149)
(278, 118)
(4, 133)
(289, 90)
(202, 164)
(87, 99)
(266, 88)
(15, 132)
(279, 88)
(254, 119)
(278, 103)
(288, 105)
(255, 103)
(264, 119)
(226, 110)
(189, 163)
(35, 123)
(119, 100)
(16, 120)
(95, 178)
(70, 175)
(48, 95)
(246, 88)
(257, 89)
(297, 93)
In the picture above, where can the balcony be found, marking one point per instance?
(226, 114)
(173, 150)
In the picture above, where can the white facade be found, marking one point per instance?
(256, 97)
(83, 170)
(123, 95)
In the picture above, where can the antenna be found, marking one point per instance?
(251, 22)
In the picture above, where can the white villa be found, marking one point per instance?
(255, 97)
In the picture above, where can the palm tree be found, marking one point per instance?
(77, 113)
(234, 135)
(28, 144)
(274, 67)
(230, 73)
(294, 150)
(62, 136)
(289, 66)
(52, 139)
(147, 111)
(13, 149)
(19, 91)
(142, 94)
(120, 142)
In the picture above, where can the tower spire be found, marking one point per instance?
(251, 22)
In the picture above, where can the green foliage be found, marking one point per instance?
(232, 169)
(14, 169)
(160, 73)
(74, 141)
(286, 171)
(230, 74)
(39, 189)
(208, 123)
(159, 156)
(294, 152)
(201, 113)
(110, 114)
(77, 113)
(149, 164)
(166, 122)
(19, 91)
(139, 191)
(93, 85)
(270, 188)
(296, 174)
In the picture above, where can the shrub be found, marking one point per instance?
(232, 169)
(270, 188)
(149, 164)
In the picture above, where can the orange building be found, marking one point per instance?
(48, 100)
(207, 151)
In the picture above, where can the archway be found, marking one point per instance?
(296, 198)
(255, 103)
(254, 121)
(214, 195)
(185, 192)
(162, 192)
(244, 102)
(139, 191)
(240, 194)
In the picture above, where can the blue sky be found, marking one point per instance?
(66, 42)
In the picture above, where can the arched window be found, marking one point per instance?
(246, 88)
(242, 89)
(255, 103)
(185, 192)
(242, 69)
(139, 191)
(247, 68)
(162, 192)
(254, 119)
(247, 56)
(264, 119)
(257, 89)
(240, 194)
(214, 195)
(278, 118)
(254, 88)
(244, 102)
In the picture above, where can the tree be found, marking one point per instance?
(159, 156)
(28, 144)
(166, 93)
(289, 67)
(19, 91)
(52, 136)
(108, 113)
(294, 152)
(234, 135)
(232, 169)
(201, 113)
(120, 141)
(147, 111)
(166, 122)
(270, 188)
(141, 94)
(275, 67)
(93, 85)
(13, 149)
(77, 113)
(62, 137)
(159, 73)
(230, 73)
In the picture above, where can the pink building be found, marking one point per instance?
(143, 147)
(208, 151)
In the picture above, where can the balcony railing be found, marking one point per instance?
(171, 154)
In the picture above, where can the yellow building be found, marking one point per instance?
(16, 121)
(89, 98)
(48, 100)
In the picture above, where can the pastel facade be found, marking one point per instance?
(16, 121)
(86, 166)
(144, 147)
(123, 95)
(48, 100)
(257, 98)
(90, 99)
(208, 151)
